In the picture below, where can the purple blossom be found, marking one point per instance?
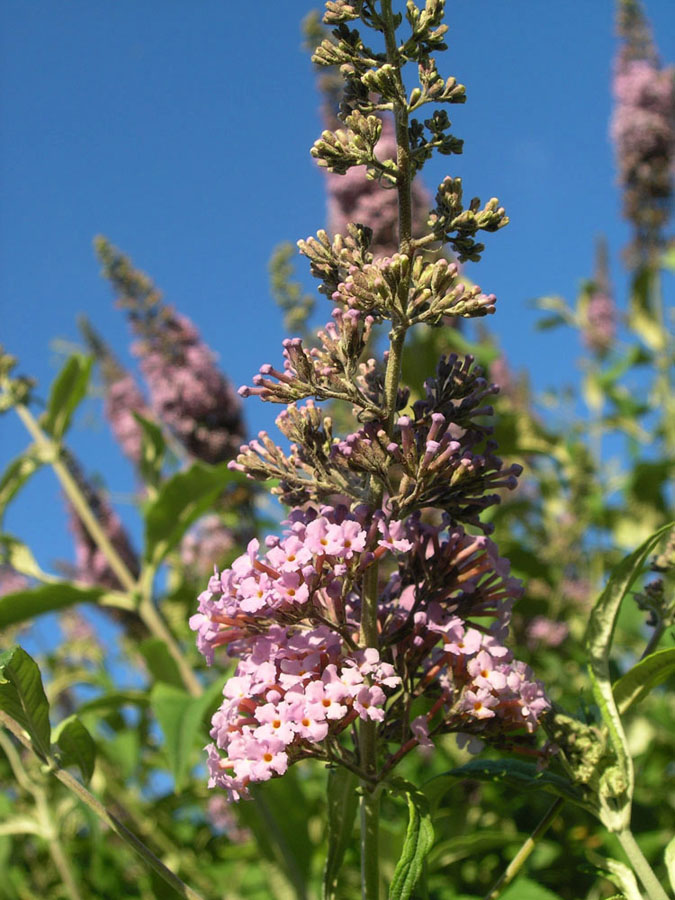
(291, 615)
(11, 581)
(188, 392)
(123, 398)
(91, 565)
(206, 544)
(643, 131)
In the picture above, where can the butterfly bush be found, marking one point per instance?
(643, 129)
(188, 392)
(378, 620)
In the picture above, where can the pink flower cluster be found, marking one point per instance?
(123, 398)
(91, 564)
(600, 329)
(187, 390)
(292, 618)
(291, 691)
(354, 198)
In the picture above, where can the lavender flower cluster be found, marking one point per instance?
(292, 617)
(643, 130)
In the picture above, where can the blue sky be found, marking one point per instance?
(182, 132)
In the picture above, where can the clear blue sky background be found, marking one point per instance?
(182, 132)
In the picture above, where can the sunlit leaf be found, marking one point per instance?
(67, 392)
(180, 718)
(23, 698)
(645, 675)
(180, 501)
(615, 795)
(22, 606)
(76, 746)
(16, 475)
(418, 842)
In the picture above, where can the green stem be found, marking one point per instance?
(525, 851)
(105, 815)
(54, 844)
(640, 866)
(664, 359)
(147, 610)
(655, 639)
(370, 851)
(77, 499)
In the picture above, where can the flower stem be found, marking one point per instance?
(525, 851)
(77, 499)
(640, 866)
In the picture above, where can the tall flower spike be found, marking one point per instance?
(643, 131)
(187, 390)
(91, 565)
(375, 608)
(600, 310)
(123, 397)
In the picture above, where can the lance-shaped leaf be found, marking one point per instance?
(76, 746)
(342, 801)
(22, 606)
(418, 842)
(163, 667)
(153, 449)
(67, 392)
(180, 718)
(16, 554)
(180, 501)
(522, 776)
(16, 475)
(670, 863)
(621, 876)
(23, 698)
(645, 675)
(616, 787)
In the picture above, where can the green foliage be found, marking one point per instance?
(76, 746)
(23, 698)
(67, 392)
(418, 842)
(180, 501)
(342, 802)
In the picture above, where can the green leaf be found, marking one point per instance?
(180, 718)
(645, 675)
(16, 475)
(22, 606)
(640, 316)
(23, 698)
(670, 862)
(113, 701)
(162, 666)
(342, 802)
(418, 842)
(76, 746)
(615, 795)
(621, 876)
(180, 501)
(67, 392)
(17, 555)
(153, 449)
(522, 776)
(526, 889)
